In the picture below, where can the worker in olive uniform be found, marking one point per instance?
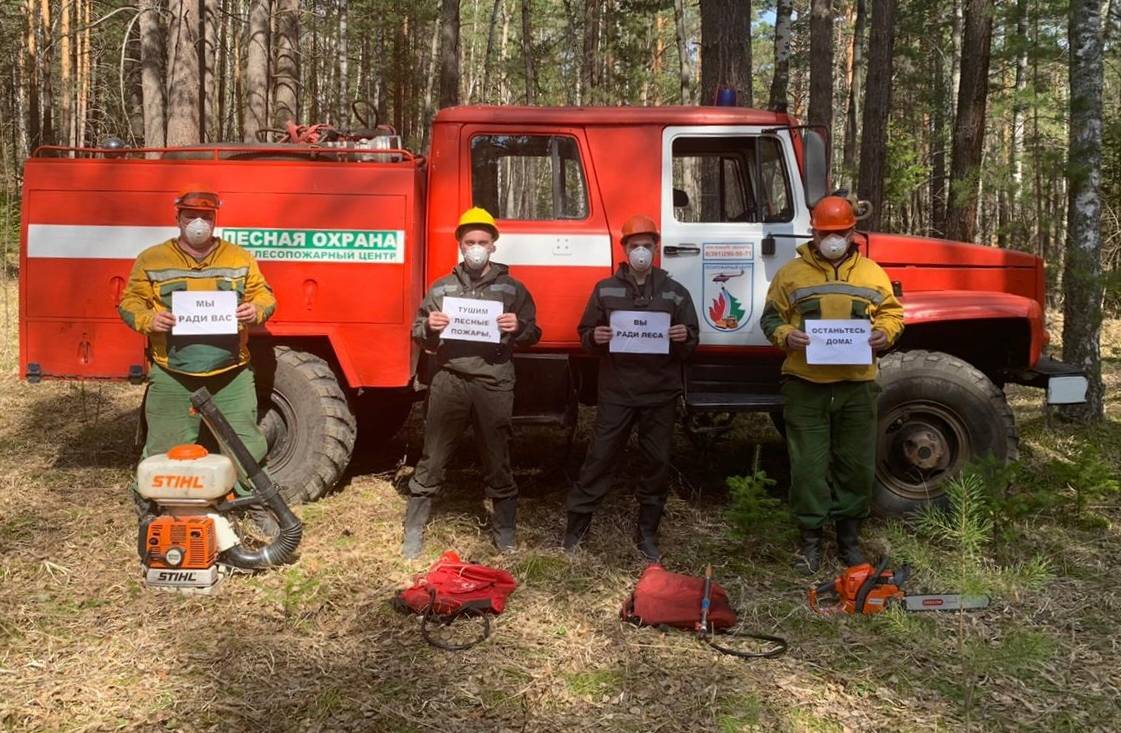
(196, 260)
(635, 390)
(830, 410)
(473, 381)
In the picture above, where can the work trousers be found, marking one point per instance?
(453, 401)
(167, 410)
(612, 430)
(831, 438)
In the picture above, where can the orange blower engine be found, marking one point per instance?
(185, 536)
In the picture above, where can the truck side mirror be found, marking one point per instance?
(815, 171)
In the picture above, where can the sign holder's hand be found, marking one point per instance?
(797, 340)
(877, 340)
(678, 333)
(246, 313)
(438, 321)
(601, 335)
(507, 322)
(163, 322)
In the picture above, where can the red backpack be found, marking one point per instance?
(452, 589)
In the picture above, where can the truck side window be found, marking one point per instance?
(528, 177)
(730, 180)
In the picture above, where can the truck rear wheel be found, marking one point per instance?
(308, 424)
(937, 413)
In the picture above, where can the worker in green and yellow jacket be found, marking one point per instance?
(830, 410)
(179, 364)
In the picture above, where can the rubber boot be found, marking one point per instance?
(504, 521)
(848, 542)
(809, 555)
(576, 529)
(416, 516)
(646, 535)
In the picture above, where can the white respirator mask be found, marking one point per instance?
(833, 246)
(198, 231)
(640, 258)
(476, 256)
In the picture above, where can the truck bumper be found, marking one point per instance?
(1065, 384)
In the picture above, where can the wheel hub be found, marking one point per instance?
(925, 447)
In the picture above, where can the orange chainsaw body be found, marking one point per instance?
(846, 588)
(195, 536)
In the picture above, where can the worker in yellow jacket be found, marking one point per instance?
(179, 364)
(830, 409)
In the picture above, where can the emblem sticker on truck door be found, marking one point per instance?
(320, 245)
(728, 294)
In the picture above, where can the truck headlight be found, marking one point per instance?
(173, 556)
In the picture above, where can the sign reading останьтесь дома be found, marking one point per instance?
(839, 342)
(472, 320)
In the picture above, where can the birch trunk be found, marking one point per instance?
(780, 82)
(343, 117)
(286, 80)
(856, 93)
(1082, 276)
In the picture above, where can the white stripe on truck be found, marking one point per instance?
(64, 241)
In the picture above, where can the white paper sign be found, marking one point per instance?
(839, 342)
(639, 332)
(204, 312)
(472, 320)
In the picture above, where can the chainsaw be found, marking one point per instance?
(866, 590)
(186, 539)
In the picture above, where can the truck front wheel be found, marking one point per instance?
(936, 414)
(306, 419)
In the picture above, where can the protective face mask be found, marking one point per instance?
(198, 232)
(833, 247)
(476, 256)
(640, 258)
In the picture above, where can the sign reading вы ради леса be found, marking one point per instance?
(321, 245)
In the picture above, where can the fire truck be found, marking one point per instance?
(349, 235)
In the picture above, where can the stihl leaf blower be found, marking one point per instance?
(187, 534)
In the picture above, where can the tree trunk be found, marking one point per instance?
(726, 49)
(31, 79)
(969, 125)
(67, 120)
(256, 71)
(591, 43)
(856, 93)
(86, 82)
(46, 76)
(877, 108)
(685, 75)
(780, 82)
(487, 54)
(938, 81)
(182, 73)
(821, 65)
(286, 79)
(342, 119)
(449, 52)
(1082, 276)
(527, 55)
(1016, 146)
(151, 74)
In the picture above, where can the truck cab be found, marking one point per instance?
(731, 187)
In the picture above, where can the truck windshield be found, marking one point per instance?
(528, 177)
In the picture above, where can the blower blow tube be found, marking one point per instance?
(281, 549)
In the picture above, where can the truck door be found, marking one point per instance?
(730, 209)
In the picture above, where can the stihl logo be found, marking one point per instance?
(177, 482)
(173, 576)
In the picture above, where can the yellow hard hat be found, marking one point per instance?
(476, 218)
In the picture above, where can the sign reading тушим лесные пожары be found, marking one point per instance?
(386, 246)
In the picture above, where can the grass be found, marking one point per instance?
(315, 646)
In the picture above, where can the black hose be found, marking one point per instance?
(281, 549)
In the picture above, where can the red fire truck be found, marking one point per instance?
(349, 239)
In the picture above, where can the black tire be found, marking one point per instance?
(937, 413)
(307, 421)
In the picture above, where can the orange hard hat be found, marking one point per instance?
(197, 197)
(640, 224)
(833, 214)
